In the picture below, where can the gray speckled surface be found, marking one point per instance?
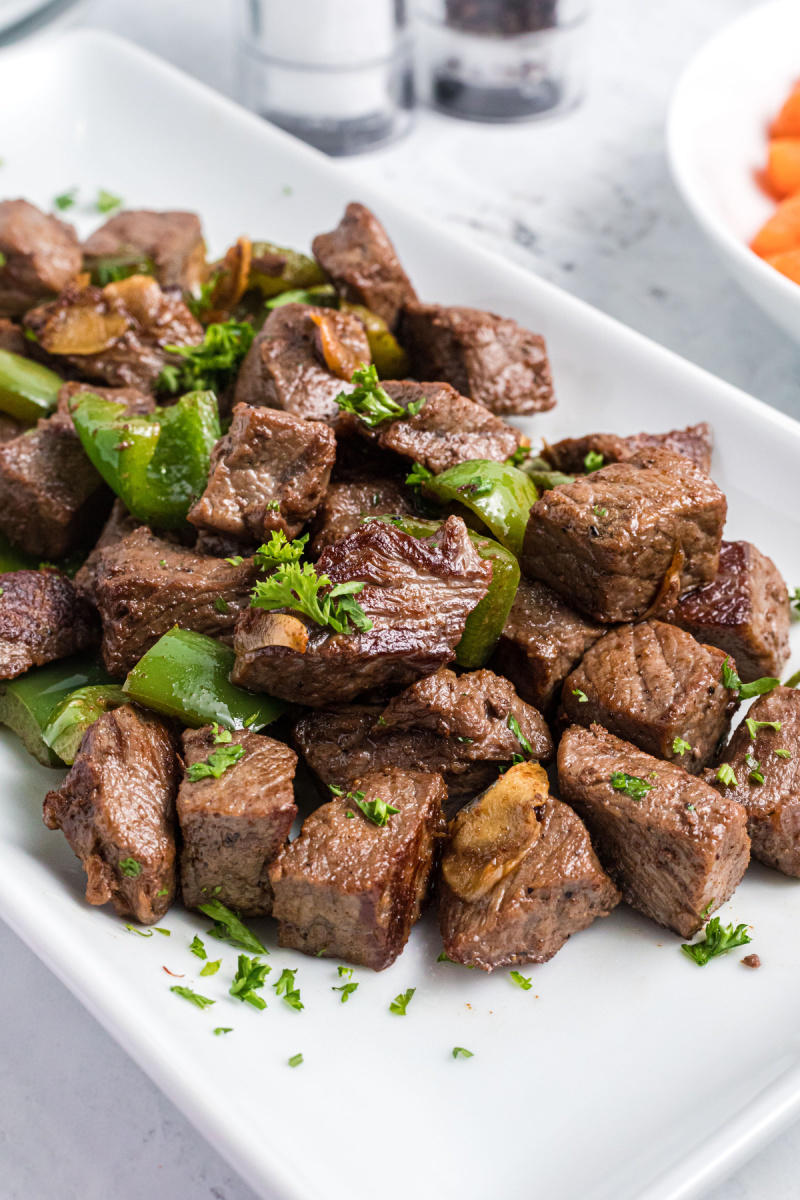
(585, 201)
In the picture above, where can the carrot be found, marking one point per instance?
(783, 166)
(787, 122)
(787, 263)
(781, 232)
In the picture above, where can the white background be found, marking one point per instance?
(585, 201)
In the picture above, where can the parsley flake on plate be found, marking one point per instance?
(229, 928)
(223, 1029)
(106, 201)
(295, 1060)
(66, 199)
(133, 929)
(719, 940)
(631, 785)
(401, 1002)
(285, 986)
(194, 997)
(249, 978)
(347, 990)
(211, 968)
(521, 981)
(462, 1052)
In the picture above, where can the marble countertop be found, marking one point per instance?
(586, 201)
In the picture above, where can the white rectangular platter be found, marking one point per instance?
(625, 1073)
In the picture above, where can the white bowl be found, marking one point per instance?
(717, 138)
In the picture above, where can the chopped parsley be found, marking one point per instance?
(754, 726)
(249, 978)
(221, 736)
(221, 605)
(518, 457)
(188, 994)
(130, 867)
(229, 928)
(593, 461)
(345, 972)
(521, 981)
(106, 201)
(211, 968)
(296, 1059)
(419, 476)
(300, 588)
(516, 759)
(707, 909)
(211, 365)
(791, 682)
(371, 403)
(223, 1029)
(401, 1002)
(66, 199)
(163, 932)
(445, 957)
(582, 697)
(784, 753)
(164, 892)
(133, 929)
(679, 746)
(216, 764)
(462, 1052)
(599, 511)
(754, 767)
(347, 990)
(280, 550)
(631, 785)
(235, 561)
(719, 940)
(758, 687)
(467, 741)
(285, 987)
(377, 810)
(513, 725)
(273, 506)
(727, 775)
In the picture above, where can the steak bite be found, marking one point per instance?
(284, 367)
(42, 618)
(744, 610)
(673, 846)
(344, 507)
(417, 596)
(624, 539)
(363, 265)
(117, 811)
(491, 359)
(269, 472)
(347, 888)
(542, 640)
(772, 755)
(142, 586)
(172, 241)
(569, 455)
(117, 334)
(654, 685)
(519, 876)
(52, 499)
(232, 827)
(39, 256)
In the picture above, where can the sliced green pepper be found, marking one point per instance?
(388, 356)
(73, 715)
(27, 703)
(157, 463)
(27, 389)
(323, 297)
(485, 623)
(299, 271)
(501, 495)
(543, 475)
(186, 675)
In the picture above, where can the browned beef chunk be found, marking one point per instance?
(773, 807)
(173, 241)
(615, 542)
(519, 876)
(116, 334)
(491, 359)
(51, 497)
(117, 810)
(40, 256)
(284, 369)
(569, 455)
(359, 460)
(744, 610)
(418, 594)
(12, 338)
(233, 827)
(42, 618)
(269, 472)
(345, 505)
(363, 264)
(654, 685)
(448, 429)
(134, 400)
(541, 642)
(678, 852)
(347, 888)
(143, 585)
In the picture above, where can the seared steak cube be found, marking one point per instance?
(346, 505)
(617, 541)
(448, 429)
(117, 811)
(268, 472)
(766, 767)
(744, 610)
(348, 888)
(363, 264)
(569, 455)
(542, 640)
(116, 334)
(418, 594)
(284, 369)
(142, 586)
(173, 241)
(40, 255)
(519, 876)
(491, 359)
(673, 846)
(232, 827)
(52, 500)
(654, 685)
(42, 618)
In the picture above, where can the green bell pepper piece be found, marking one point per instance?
(501, 495)
(323, 297)
(485, 623)
(300, 271)
(186, 675)
(388, 356)
(27, 389)
(157, 463)
(543, 474)
(73, 715)
(28, 702)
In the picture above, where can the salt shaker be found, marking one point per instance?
(336, 73)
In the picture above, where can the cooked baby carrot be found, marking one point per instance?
(787, 122)
(782, 230)
(783, 166)
(787, 263)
